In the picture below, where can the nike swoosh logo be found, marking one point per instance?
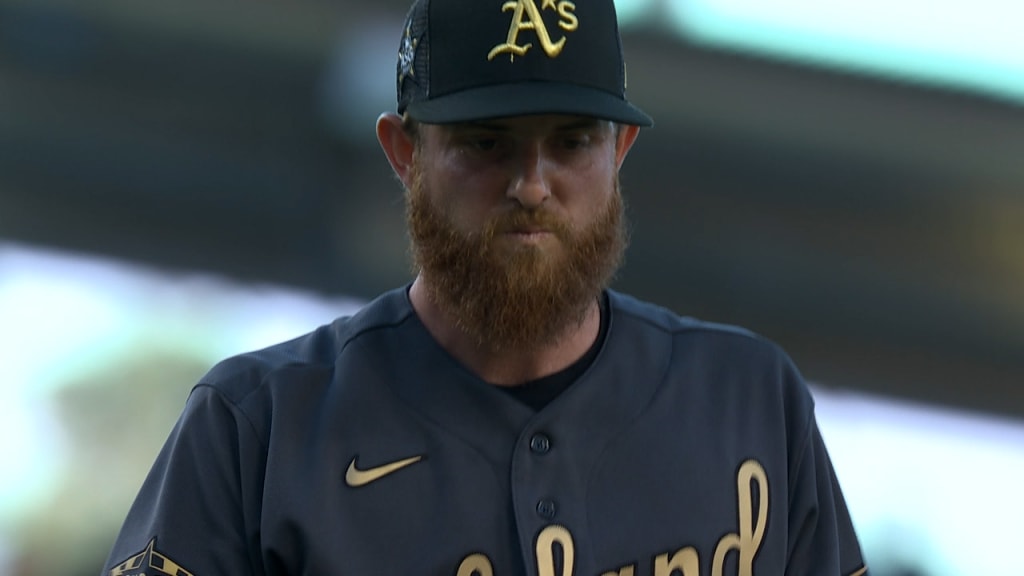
(355, 477)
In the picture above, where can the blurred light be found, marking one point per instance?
(47, 317)
(975, 45)
(358, 82)
(936, 491)
(633, 12)
(67, 317)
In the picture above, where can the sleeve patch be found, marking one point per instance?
(141, 564)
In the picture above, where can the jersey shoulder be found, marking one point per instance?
(722, 356)
(631, 309)
(238, 376)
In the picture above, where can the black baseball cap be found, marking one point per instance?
(465, 60)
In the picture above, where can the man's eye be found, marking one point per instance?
(479, 143)
(575, 142)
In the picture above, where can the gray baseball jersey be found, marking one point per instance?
(363, 448)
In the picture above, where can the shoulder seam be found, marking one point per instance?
(342, 342)
(236, 409)
(683, 323)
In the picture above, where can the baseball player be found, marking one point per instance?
(506, 413)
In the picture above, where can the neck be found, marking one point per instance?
(504, 366)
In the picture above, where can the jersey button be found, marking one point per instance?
(546, 509)
(540, 444)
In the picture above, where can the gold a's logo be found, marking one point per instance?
(526, 16)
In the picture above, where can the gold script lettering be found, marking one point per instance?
(748, 540)
(526, 16)
(477, 564)
(546, 540)
(569, 21)
(685, 560)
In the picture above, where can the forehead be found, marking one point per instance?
(528, 125)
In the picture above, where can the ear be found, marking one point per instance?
(397, 144)
(627, 136)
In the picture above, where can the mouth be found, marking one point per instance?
(529, 228)
(529, 235)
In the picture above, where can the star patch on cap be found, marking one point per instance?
(407, 55)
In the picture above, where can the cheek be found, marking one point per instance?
(469, 194)
(588, 196)
(462, 199)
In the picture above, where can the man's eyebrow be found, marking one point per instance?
(581, 124)
(478, 125)
(569, 126)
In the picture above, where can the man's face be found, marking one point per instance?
(516, 224)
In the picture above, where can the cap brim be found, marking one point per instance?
(526, 98)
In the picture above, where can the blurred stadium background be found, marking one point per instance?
(184, 180)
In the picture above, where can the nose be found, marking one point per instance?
(530, 185)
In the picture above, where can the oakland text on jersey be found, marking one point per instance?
(685, 561)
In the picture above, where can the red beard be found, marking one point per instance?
(525, 298)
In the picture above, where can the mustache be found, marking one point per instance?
(518, 219)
